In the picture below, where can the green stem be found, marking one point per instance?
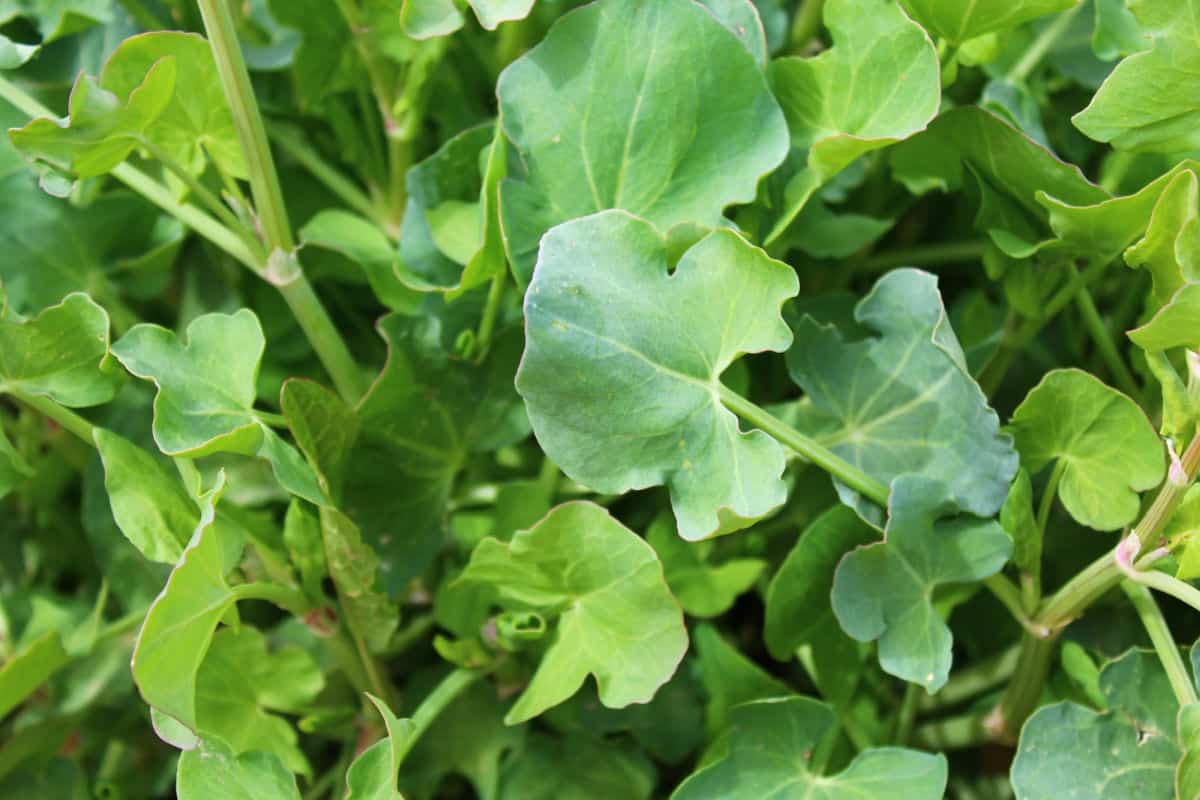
(289, 599)
(806, 25)
(1103, 340)
(548, 478)
(198, 190)
(923, 256)
(65, 417)
(1041, 46)
(292, 143)
(272, 419)
(971, 681)
(815, 452)
(1009, 595)
(1170, 585)
(434, 704)
(907, 714)
(1164, 644)
(1048, 495)
(400, 158)
(324, 337)
(491, 312)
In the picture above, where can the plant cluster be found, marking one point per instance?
(519, 399)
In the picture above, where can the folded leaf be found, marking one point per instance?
(1108, 448)
(616, 618)
(373, 774)
(206, 393)
(62, 354)
(771, 743)
(885, 591)
(636, 138)
(902, 402)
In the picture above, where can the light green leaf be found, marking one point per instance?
(1068, 752)
(206, 393)
(354, 568)
(62, 354)
(196, 127)
(960, 20)
(884, 591)
(1170, 247)
(878, 84)
(772, 742)
(1116, 32)
(1017, 519)
(493, 12)
(1110, 450)
(179, 626)
(29, 668)
(426, 19)
(636, 138)
(1149, 102)
(576, 768)
(325, 429)
(150, 507)
(902, 402)
(362, 242)
(102, 129)
(373, 774)
(703, 589)
(622, 366)
(55, 19)
(13, 55)
(212, 770)
(1185, 524)
(240, 679)
(1177, 324)
(305, 545)
(14, 469)
(616, 618)
(798, 605)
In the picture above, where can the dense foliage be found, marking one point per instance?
(519, 399)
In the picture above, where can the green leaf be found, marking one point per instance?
(730, 678)
(798, 605)
(960, 20)
(426, 19)
(29, 668)
(1177, 324)
(1109, 449)
(616, 618)
(1187, 774)
(703, 589)
(62, 354)
(14, 469)
(637, 138)
(1017, 519)
(55, 19)
(179, 626)
(493, 12)
(894, 71)
(302, 536)
(771, 744)
(150, 507)
(196, 127)
(206, 393)
(1127, 751)
(903, 402)
(212, 770)
(1005, 170)
(1116, 32)
(576, 768)
(885, 591)
(354, 568)
(240, 679)
(1148, 103)
(373, 774)
(13, 55)
(362, 242)
(102, 129)
(325, 429)
(623, 360)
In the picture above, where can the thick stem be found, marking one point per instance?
(815, 452)
(1164, 644)
(434, 704)
(1181, 590)
(65, 417)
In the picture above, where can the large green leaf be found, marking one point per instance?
(623, 360)
(616, 618)
(704, 589)
(1108, 449)
(878, 84)
(212, 770)
(1068, 752)
(150, 507)
(960, 20)
(885, 591)
(1150, 101)
(179, 626)
(240, 681)
(62, 354)
(772, 742)
(902, 402)
(635, 138)
(206, 393)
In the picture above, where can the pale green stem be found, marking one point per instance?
(1103, 340)
(434, 704)
(198, 189)
(1048, 495)
(1042, 45)
(65, 417)
(294, 145)
(1170, 585)
(272, 419)
(812, 450)
(1160, 637)
(907, 714)
(1009, 596)
(491, 312)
